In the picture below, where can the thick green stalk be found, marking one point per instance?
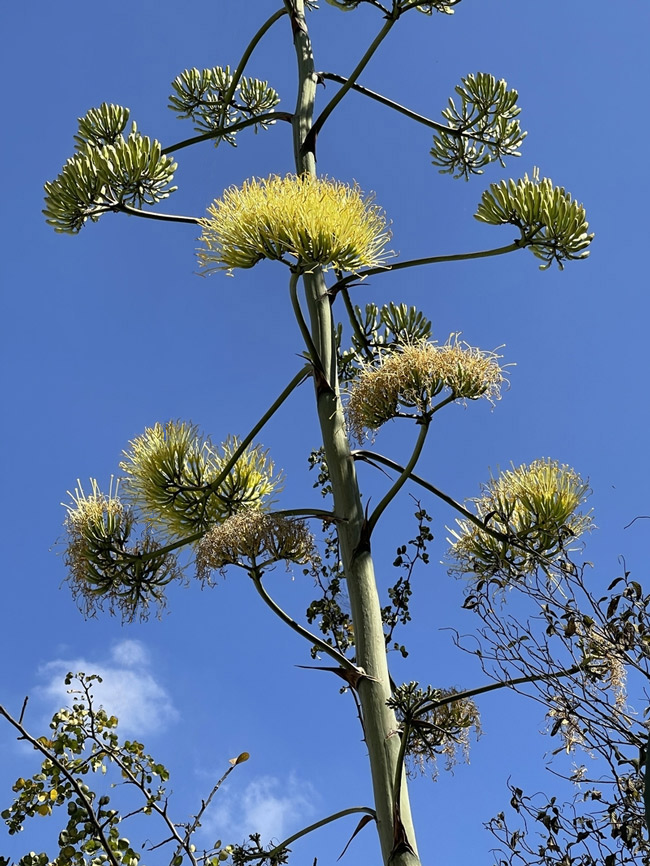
(396, 834)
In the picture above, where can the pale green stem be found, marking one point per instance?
(373, 690)
(310, 141)
(400, 767)
(270, 117)
(322, 823)
(304, 330)
(428, 260)
(338, 657)
(403, 477)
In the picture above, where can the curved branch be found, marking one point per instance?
(372, 457)
(342, 814)
(505, 684)
(320, 513)
(249, 50)
(152, 215)
(403, 477)
(302, 324)
(310, 140)
(297, 380)
(234, 127)
(303, 632)
(356, 327)
(428, 260)
(413, 115)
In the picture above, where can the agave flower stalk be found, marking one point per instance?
(394, 823)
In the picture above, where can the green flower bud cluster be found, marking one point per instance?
(108, 171)
(485, 124)
(201, 95)
(552, 224)
(435, 723)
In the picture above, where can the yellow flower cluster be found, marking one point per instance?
(253, 538)
(534, 506)
(304, 221)
(105, 564)
(176, 477)
(411, 377)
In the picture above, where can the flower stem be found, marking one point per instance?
(249, 50)
(503, 684)
(356, 327)
(224, 130)
(304, 330)
(403, 477)
(338, 657)
(152, 215)
(297, 380)
(310, 141)
(413, 115)
(428, 260)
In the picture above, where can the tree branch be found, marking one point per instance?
(504, 684)
(152, 215)
(249, 50)
(25, 735)
(373, 457)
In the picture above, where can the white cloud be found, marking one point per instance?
(128, 690)
(267, 806)
(130, 653)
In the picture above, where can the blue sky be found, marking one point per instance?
(110, 331)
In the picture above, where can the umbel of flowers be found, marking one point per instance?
(303, 221)
(408, 379)
(533, 512)
(254, 539)
(109, 561)
(185, 484)
(178, 485)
